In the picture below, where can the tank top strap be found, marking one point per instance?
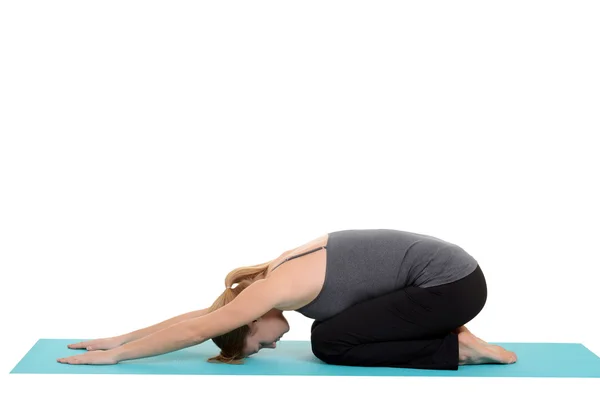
(299, 255)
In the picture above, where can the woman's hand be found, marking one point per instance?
(100, 357)
(99, 344)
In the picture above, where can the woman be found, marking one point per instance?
(379, 297)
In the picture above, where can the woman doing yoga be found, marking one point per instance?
(378, 297)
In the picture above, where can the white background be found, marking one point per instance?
(148, 148)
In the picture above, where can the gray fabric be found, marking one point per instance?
(366, 263)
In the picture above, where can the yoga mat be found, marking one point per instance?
(294, 357)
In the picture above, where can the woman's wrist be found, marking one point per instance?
(123, 339)
(116, 354)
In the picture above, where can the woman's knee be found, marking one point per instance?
(323, 346)
(326, 354)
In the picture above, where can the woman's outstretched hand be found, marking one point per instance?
(99, 344)
(99, 357)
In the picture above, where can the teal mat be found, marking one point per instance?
(556, 360)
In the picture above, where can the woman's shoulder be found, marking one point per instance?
(296, 252)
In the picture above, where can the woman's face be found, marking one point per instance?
(265, 332)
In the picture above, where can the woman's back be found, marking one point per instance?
(366, 263)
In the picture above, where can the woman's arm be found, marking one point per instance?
(175, 337)
(116, 341)
(131, 336)
(253, 302)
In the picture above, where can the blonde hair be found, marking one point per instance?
(232, 343)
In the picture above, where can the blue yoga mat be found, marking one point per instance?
(294, 357)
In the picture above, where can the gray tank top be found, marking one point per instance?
(366, 263)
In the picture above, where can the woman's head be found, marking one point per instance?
(246, 340)
(265, 332)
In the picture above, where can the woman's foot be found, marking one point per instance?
(472, 350)
(465, 329)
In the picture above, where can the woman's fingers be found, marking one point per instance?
(97, 344)
(88, 345)
(80, 345)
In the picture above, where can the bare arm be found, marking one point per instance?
(140, 333)
(175, 337)
(253, 302)
(116, 341)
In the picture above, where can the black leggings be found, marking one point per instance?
(408, 328)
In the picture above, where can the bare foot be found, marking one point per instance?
(471, 350)
(465, 329)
